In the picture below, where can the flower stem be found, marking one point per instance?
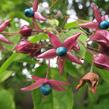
(48, 70)
(10, 33)
(91, 69)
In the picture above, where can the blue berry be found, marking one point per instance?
(104, 24)
(29, 12)
(45, 89)
(61, 51)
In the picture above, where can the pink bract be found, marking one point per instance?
(37, 15)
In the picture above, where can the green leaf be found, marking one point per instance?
(88, 57)
(63, 100)
(103, 89)
(53, 22)
(7, 63)
(74, 24)
(103, 73)
(5, 75)
(71, 25)
(71, 69)
(42, 102)
(37, 38)
(102, 105)
(6, 100)
(24, 58)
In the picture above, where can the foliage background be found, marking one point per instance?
(12, 78)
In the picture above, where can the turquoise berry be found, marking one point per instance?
(61, 51)
(29, 12)
(46, 89)
(104, 24)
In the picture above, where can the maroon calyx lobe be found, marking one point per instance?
(104, 49)
(102, 38)
(101, 61)
(25, 31)
(26, 47)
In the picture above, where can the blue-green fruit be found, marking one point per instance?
(29, 12)
(104, 24)
(45, 89)
(61, 51)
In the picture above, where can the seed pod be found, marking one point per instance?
(91, 78)
(27, 47)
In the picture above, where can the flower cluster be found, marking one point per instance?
(101, 36)
(62, 50)
(99, 25)
(101, 59)
(25, 46)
